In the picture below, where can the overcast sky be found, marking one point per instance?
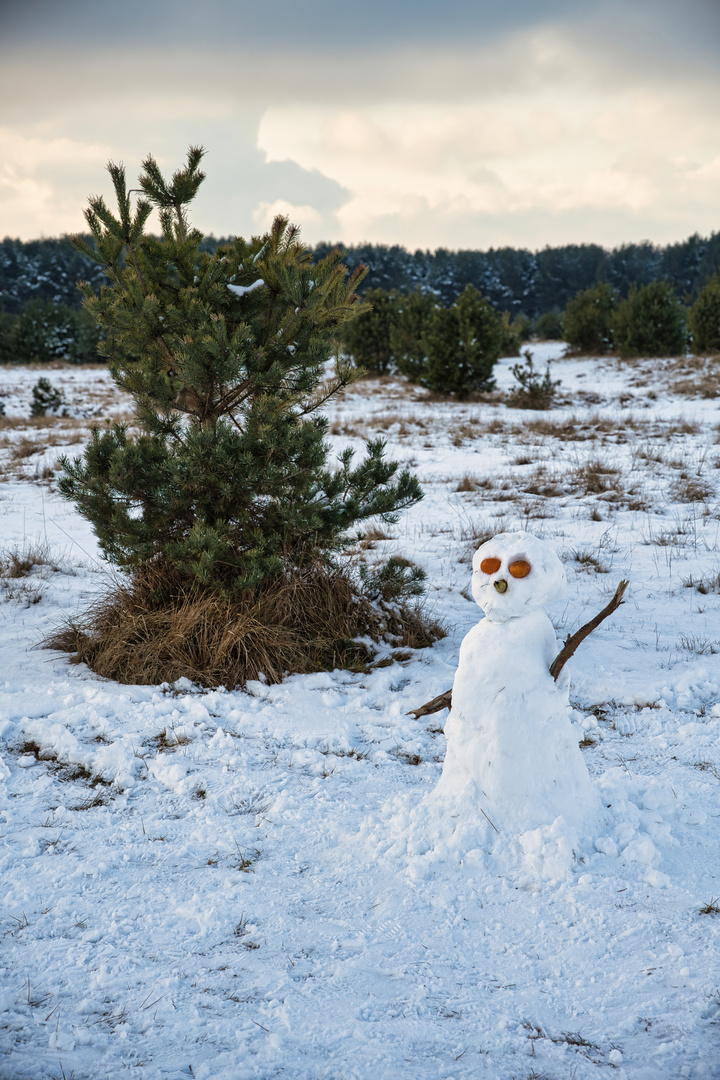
(471, 123)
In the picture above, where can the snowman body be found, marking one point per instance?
(511, 748)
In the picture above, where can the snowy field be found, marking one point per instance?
(215, 884)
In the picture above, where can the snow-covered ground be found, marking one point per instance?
(216, 884)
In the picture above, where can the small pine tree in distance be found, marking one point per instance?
(651, 322)
(531, 391)
(704, 318)
(367, 337)
(45, 396)
(549, 326)
(226, 481)
(588, 319)
(463, 343)
(415, 312)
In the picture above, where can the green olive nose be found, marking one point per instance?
(501, 585)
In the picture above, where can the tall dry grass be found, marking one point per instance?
(156, 630)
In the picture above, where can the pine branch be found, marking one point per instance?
(444, 701)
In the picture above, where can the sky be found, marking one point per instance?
(471, 124)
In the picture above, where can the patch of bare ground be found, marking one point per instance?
(592, 428)
(431, 397)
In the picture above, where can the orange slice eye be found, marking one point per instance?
(519, 568)
(490, 566)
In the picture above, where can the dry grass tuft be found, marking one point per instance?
(588, 562)
(596, 477)
(21, 570)
(703, 585)
(689, 489)
(156, 630)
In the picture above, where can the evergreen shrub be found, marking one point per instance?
(45, 331)
(704, 318)
(367, 337)
(589, 318)
(532, 391)
(651, 322)
(45, 396)
(463, 342)
(222, 491)
(549, 326)
(408, 336)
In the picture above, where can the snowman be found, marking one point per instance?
(512, 754)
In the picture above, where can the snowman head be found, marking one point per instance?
(514, 574)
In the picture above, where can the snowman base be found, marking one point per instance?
(443, 832)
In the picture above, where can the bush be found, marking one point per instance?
(549, 326)
(515, 332)
(408, 337)
(588, 319)
(651, 322)
(704, 318)
(396, 579)
(463, 343)
(511, 340)
(45, 396)
(44, 331)
(367, 337)
(224, 355)
(532, 392)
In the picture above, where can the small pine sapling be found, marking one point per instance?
(532, 391)
(220, 500)
(224, 355)
(45, 396)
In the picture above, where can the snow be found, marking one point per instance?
(233, 884)
(241, 290)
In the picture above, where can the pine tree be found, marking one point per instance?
(367, 337)
(224, 480)
(463, 342)
(705, 318)
(588, 319)
(651, 322)
(407, 336)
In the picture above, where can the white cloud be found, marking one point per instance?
(556, 133)
(552, 141)
(266, 212)
(31, 172)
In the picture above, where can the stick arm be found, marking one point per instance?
(444, 701)
(572, 642)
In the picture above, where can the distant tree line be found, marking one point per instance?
(534, 283)
(41, 316)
